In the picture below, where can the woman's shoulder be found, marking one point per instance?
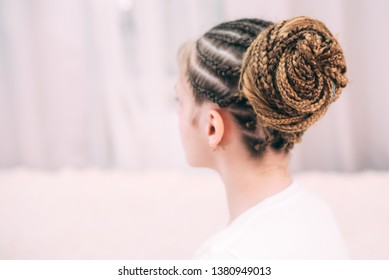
(295, 223)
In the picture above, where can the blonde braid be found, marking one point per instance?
(291, 73)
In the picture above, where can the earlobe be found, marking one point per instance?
(215, 130)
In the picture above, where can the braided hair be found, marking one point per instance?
(291, 73)
(274, 79)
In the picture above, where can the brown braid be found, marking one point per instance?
(291, 73)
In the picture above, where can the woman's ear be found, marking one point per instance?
(215, 129)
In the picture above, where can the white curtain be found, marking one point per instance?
(90, 83)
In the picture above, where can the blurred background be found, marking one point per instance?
(90, 83)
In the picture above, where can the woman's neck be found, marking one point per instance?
(247, 182)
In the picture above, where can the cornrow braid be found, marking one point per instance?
(217, 66)
(246, 27)
(291, 73)
(213, 72)
(208, 94)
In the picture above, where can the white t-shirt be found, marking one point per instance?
(295, 223)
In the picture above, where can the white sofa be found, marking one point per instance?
(108, 214)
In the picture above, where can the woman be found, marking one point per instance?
(248, 89)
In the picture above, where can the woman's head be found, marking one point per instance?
(273, 81)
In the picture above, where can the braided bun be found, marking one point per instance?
(291, 73)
